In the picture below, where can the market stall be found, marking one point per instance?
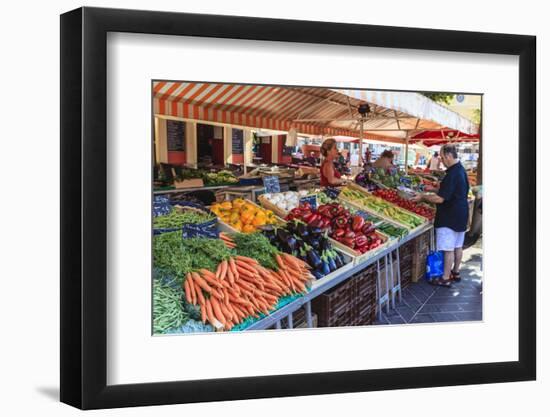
(271, 249)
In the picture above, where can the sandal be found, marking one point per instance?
(455, 276)
(441, 282)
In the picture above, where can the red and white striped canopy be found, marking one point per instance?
(315, 111)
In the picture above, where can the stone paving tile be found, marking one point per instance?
(442, 317)
(450, 308)
(429, 308)
(396, 320)
(406, 312)
(471, 306)
(469, 315)
(423, 318)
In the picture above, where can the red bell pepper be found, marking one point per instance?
(357, 223)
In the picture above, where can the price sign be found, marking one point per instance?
(311, 199)
(405, 181)
(271, 184)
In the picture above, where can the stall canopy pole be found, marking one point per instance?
(361, 142)
(407, 153)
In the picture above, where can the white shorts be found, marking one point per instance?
(447, 239)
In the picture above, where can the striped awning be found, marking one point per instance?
(315, 111)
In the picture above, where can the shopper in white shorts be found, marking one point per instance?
(451, 219)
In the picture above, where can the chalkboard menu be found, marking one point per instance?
(175, 134)
(237, 141)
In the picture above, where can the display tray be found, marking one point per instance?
(383, 216)
(358, 257)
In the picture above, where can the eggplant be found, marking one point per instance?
(313, 257)
(317, 274)
(316, 231)
(326, 267)
(324, 244)
(283, 235)
(291, 242)
(332, 264)
(302, 230)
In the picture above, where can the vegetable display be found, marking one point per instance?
(308, 243)
(219, 178)
(364, 181)
(180, 216)
(242, 215)
(285, 201)
(240, 287)
(209, 178)
(350, 230)
(381, 207)
(393, 197)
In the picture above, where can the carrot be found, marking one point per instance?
(210, 278)
(211, 317)
(218, 270)
(244, 271)
(228, 315)
(280, 262)
(224, 269)
(187, 292)
(246, 266)
(201, 282)
(226, 296)
(236, 271)
(198, 291)
(247, 260)
(217, 311)
(230, 275)
(203, 313)
(192, 288)
(288, 259)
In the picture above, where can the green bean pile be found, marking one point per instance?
(168, 312)
(176, 219)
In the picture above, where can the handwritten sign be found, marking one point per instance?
(311, 199)
(271, 184)
(405, 181)
(175, 135)
(237, 141)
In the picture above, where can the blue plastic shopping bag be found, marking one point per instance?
(434, 265)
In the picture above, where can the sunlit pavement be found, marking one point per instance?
(425, 303)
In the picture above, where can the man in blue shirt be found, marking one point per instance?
(451, 218)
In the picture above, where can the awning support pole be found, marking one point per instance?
(361, 143)
(407, 153)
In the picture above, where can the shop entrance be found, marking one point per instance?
(209, 145)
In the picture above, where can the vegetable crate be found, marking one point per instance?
(299, 320)
(405, 263)
(351, 303)
(359, 257)
(363, 190)
(421, 248)
(349, 261)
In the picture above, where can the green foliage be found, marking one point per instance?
(445, 98)
(256, 246)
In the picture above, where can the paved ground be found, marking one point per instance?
(425, 303)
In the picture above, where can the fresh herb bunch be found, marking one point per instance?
(177, 218)
(256, 246)
(175, 256)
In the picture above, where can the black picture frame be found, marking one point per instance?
(84, 207)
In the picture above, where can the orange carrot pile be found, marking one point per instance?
(227, 240)
(240, 287)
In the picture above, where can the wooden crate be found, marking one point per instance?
(421, 249)
(363, 257)
(351, 303)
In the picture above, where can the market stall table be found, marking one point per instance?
(319, 287)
